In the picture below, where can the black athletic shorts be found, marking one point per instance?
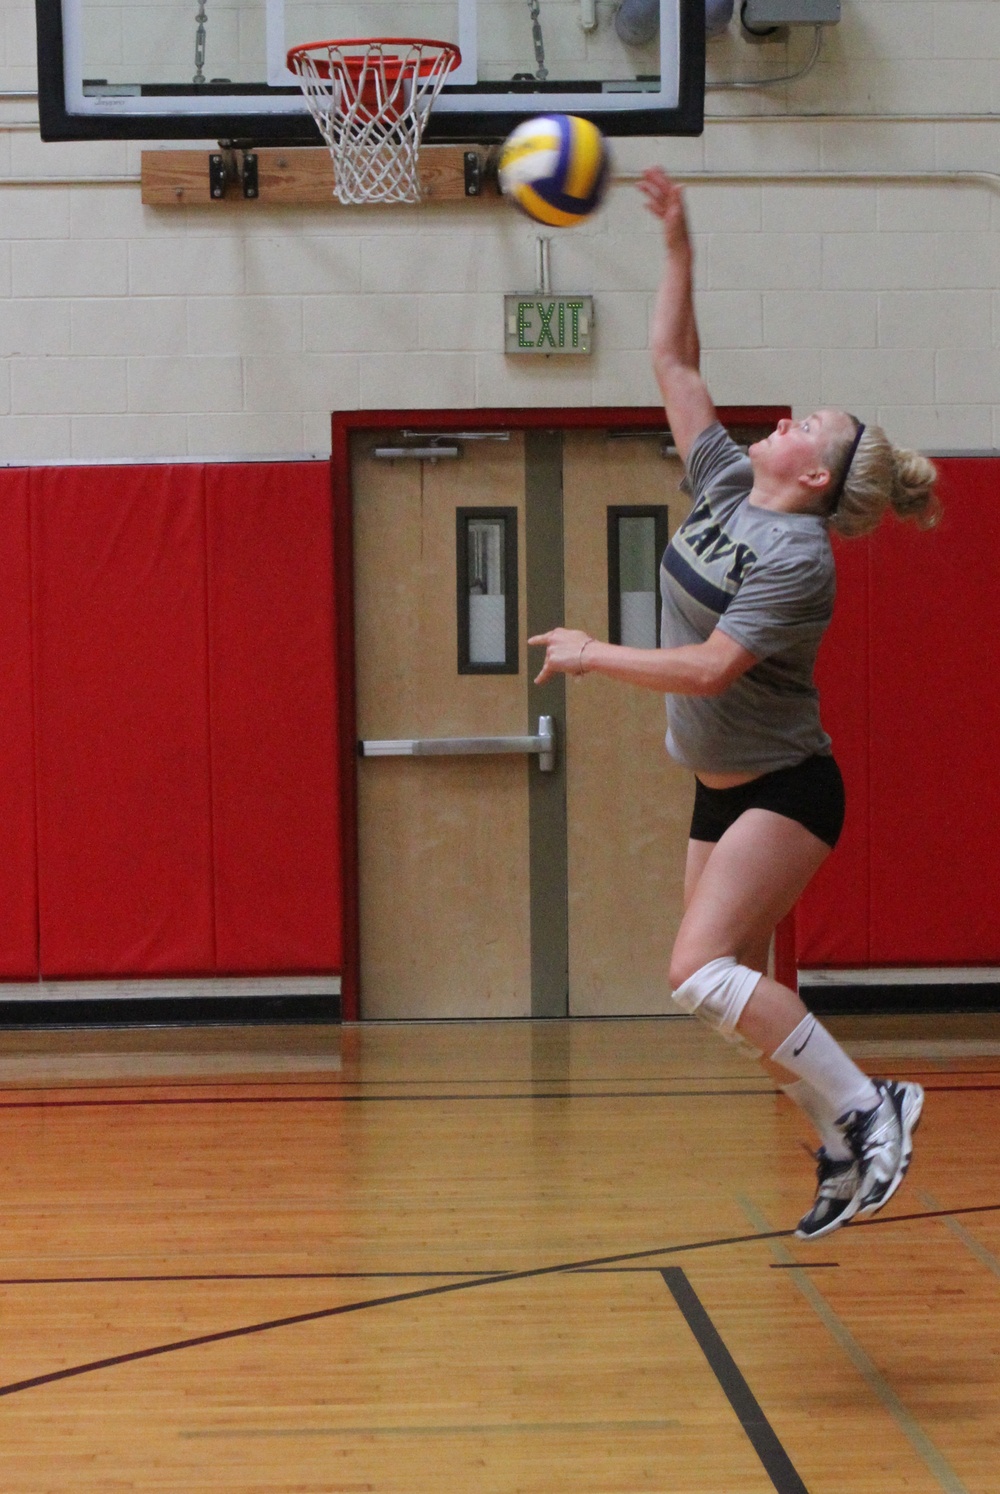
(812, 793)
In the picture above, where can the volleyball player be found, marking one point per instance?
(748, 591)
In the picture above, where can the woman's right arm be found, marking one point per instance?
(675, 346)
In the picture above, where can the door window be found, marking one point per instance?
(486, 557)
(637, 537)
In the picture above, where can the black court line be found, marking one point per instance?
(726, 1079)
(108, 1091)
(777, 1464)
(649, 1094)
(958, 1089)
(604, 1265)
(630, 1094)
(153, 1278)
(227, 1334)
(266, 1080)
(275, 1081)
(802, 1265)
(331, 1079)
(498, 1278)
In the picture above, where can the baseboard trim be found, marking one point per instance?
(173, 989)
(904, 975)
(226, 1001)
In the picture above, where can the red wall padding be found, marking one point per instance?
(922, 730)
(124, 788)
(934, 713)
(273, 717)
(175, 704)
(18, 867)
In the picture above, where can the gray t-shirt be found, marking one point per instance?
(765, 578)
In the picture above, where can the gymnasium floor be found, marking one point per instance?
(512, 1258)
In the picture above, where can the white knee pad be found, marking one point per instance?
(717, 993)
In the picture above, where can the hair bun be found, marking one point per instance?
(913, 495)
(883, 476)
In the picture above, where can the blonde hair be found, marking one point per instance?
(881, 476)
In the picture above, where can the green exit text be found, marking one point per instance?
(548, 324)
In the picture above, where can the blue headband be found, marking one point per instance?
(838, 491)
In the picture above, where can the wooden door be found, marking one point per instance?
(485, 891)
(628, 804)
(443, 847)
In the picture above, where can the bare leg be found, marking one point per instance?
(736, 894)
(749, 881)
(757, 952)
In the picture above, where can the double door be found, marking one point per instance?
(521, 847)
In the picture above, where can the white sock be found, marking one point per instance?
(812, 1054)
(823, 1117)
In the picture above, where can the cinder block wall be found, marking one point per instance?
(130, 333)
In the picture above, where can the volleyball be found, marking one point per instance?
(555, 168)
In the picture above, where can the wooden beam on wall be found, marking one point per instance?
(296, 177)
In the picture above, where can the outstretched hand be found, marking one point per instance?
(563, 652)
(666, 202)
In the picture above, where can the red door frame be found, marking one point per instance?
(345, 424)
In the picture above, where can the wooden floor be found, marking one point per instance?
(518, 1258)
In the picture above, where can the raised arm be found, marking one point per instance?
(675, 347)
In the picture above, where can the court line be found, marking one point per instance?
(918, 1439)
(763, 1438)
(652, 1094)
(629, 1094)
(958, 1089)
(602, 1265)
(327, 1080)
(318, 1315)
(277, 1081)
(983, 1256)
(244, 1276)
(803, 1265)
(496, 1279)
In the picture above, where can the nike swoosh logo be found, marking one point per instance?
(797, 1051)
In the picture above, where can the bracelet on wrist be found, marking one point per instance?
(581, 668)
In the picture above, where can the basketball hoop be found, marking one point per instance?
(371, 100)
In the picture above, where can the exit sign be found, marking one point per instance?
(548, 324)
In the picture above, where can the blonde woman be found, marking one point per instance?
(748, 591)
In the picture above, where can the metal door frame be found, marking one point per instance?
(348, 423)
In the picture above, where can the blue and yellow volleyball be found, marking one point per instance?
(555, 168)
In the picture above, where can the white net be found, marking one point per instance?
(371, 101)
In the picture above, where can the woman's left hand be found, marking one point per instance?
(563, 652)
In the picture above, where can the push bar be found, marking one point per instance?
(543, 745)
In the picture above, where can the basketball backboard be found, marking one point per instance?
(216, 69)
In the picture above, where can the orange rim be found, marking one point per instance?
(356, 62)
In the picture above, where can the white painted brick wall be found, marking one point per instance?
(453, 323)
(241, 325)
(35, 328)
(935, 319)
(124, 326)
(295, 382)
(176, 385)
(234, 330)
(57, 268)
(272, 433)
(72, 386)
(828, 319)
(102, 438)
